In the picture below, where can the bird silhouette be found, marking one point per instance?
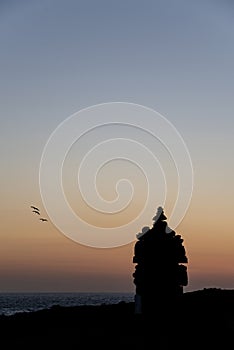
(35, 208)
(42, 219)
(37, 212)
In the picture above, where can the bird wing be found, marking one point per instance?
(32, 206)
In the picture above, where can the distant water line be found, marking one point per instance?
(12, 303)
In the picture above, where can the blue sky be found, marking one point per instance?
(175, 57)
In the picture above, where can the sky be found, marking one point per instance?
(61, 57)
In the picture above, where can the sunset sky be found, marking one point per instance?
(60, 57)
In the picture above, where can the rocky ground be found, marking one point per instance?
(202, 320)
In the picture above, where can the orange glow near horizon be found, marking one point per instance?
(35, 251)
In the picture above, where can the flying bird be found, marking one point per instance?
(36, 211)
(35, 208)
(43, 219)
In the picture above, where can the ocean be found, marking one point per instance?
(12, 303)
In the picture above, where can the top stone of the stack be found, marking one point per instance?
(159, 215)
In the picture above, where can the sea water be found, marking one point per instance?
(11, 303)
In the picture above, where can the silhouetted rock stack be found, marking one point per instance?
(160, 273)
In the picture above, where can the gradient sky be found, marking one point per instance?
(58, 57)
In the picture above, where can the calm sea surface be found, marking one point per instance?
(11, 303)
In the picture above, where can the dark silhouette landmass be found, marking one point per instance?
(204, 321)
(162, 317)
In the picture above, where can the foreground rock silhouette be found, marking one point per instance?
(205, 321)
(160, 271)
(160, 275)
